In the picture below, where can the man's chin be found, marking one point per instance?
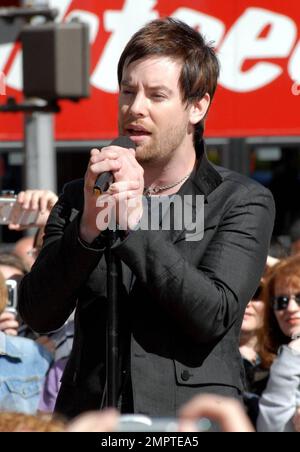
(146, 160)
(142, 154)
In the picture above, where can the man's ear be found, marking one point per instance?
(198, 109)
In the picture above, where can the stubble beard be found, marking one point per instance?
(160, 150)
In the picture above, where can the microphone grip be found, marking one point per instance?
(104, 180)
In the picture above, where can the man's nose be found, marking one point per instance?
(138, 106)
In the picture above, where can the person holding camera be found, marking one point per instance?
(13, 269)
(24, 364)
(31, 204)
(181, 299)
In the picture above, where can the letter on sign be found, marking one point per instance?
(243, 42)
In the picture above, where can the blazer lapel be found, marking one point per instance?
(203, 182)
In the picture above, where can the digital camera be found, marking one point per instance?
(12, 212)
(12, 291)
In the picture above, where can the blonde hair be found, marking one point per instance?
(3, 293)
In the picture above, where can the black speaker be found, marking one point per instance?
(56, 60)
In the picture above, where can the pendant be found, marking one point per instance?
(152, 191)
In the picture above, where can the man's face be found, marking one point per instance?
(151, 111)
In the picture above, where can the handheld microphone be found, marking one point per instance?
(104, 180)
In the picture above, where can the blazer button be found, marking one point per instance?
(185, 375)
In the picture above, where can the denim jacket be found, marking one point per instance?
(23, 366)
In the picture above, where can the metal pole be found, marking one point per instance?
(40, 155)
(112, 340)
(236, 156)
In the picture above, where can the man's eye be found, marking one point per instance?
(127, 91)
(158, 96)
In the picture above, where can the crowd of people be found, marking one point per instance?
(28, 360)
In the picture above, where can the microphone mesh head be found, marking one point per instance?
(123, 142)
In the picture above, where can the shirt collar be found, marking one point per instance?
(206, 178)
(7, 347)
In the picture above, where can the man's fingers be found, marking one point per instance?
(94, 151)
(120, 161)
(119, 187)
(125, 195)
(112, 152)
(98, 156)
(96, 169)
(105, 165)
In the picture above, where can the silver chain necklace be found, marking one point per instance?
(148, 191)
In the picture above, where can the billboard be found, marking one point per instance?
(257, 42)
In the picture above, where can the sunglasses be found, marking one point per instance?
(258, 294)
(281, 302)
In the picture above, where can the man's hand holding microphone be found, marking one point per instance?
(122, 198)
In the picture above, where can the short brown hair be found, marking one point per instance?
(172, 38)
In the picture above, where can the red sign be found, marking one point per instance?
(257, 42)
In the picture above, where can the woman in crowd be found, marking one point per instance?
(256, 359)
(280, 400)
(256, 369)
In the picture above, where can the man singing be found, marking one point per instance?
(181, 302)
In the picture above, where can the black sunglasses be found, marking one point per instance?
(258, 294)
(281, 302)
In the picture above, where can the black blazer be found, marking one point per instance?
(182, 315)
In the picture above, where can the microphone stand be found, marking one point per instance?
(112, 344)
(112, 331)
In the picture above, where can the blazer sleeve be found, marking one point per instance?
(207, 298)
(48, 294)
(279, 400)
